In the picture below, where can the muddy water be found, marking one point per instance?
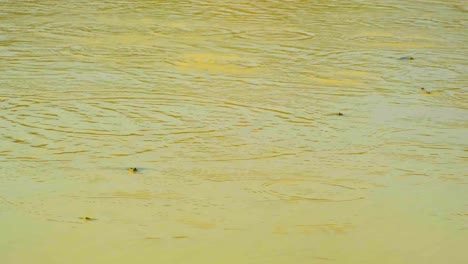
(229, 110)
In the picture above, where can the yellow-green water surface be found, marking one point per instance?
(230, 112)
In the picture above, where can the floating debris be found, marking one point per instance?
(423, 90)
(86, 218)
(152, 238)
(132, 170)
(406, 58)
(340, 114)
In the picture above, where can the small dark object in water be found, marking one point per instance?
(87, 218)
(132, 170)
(424, 90)
(406, 58)
(340, 114)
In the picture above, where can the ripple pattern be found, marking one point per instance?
(259, 121)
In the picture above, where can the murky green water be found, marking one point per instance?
(229, 109)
